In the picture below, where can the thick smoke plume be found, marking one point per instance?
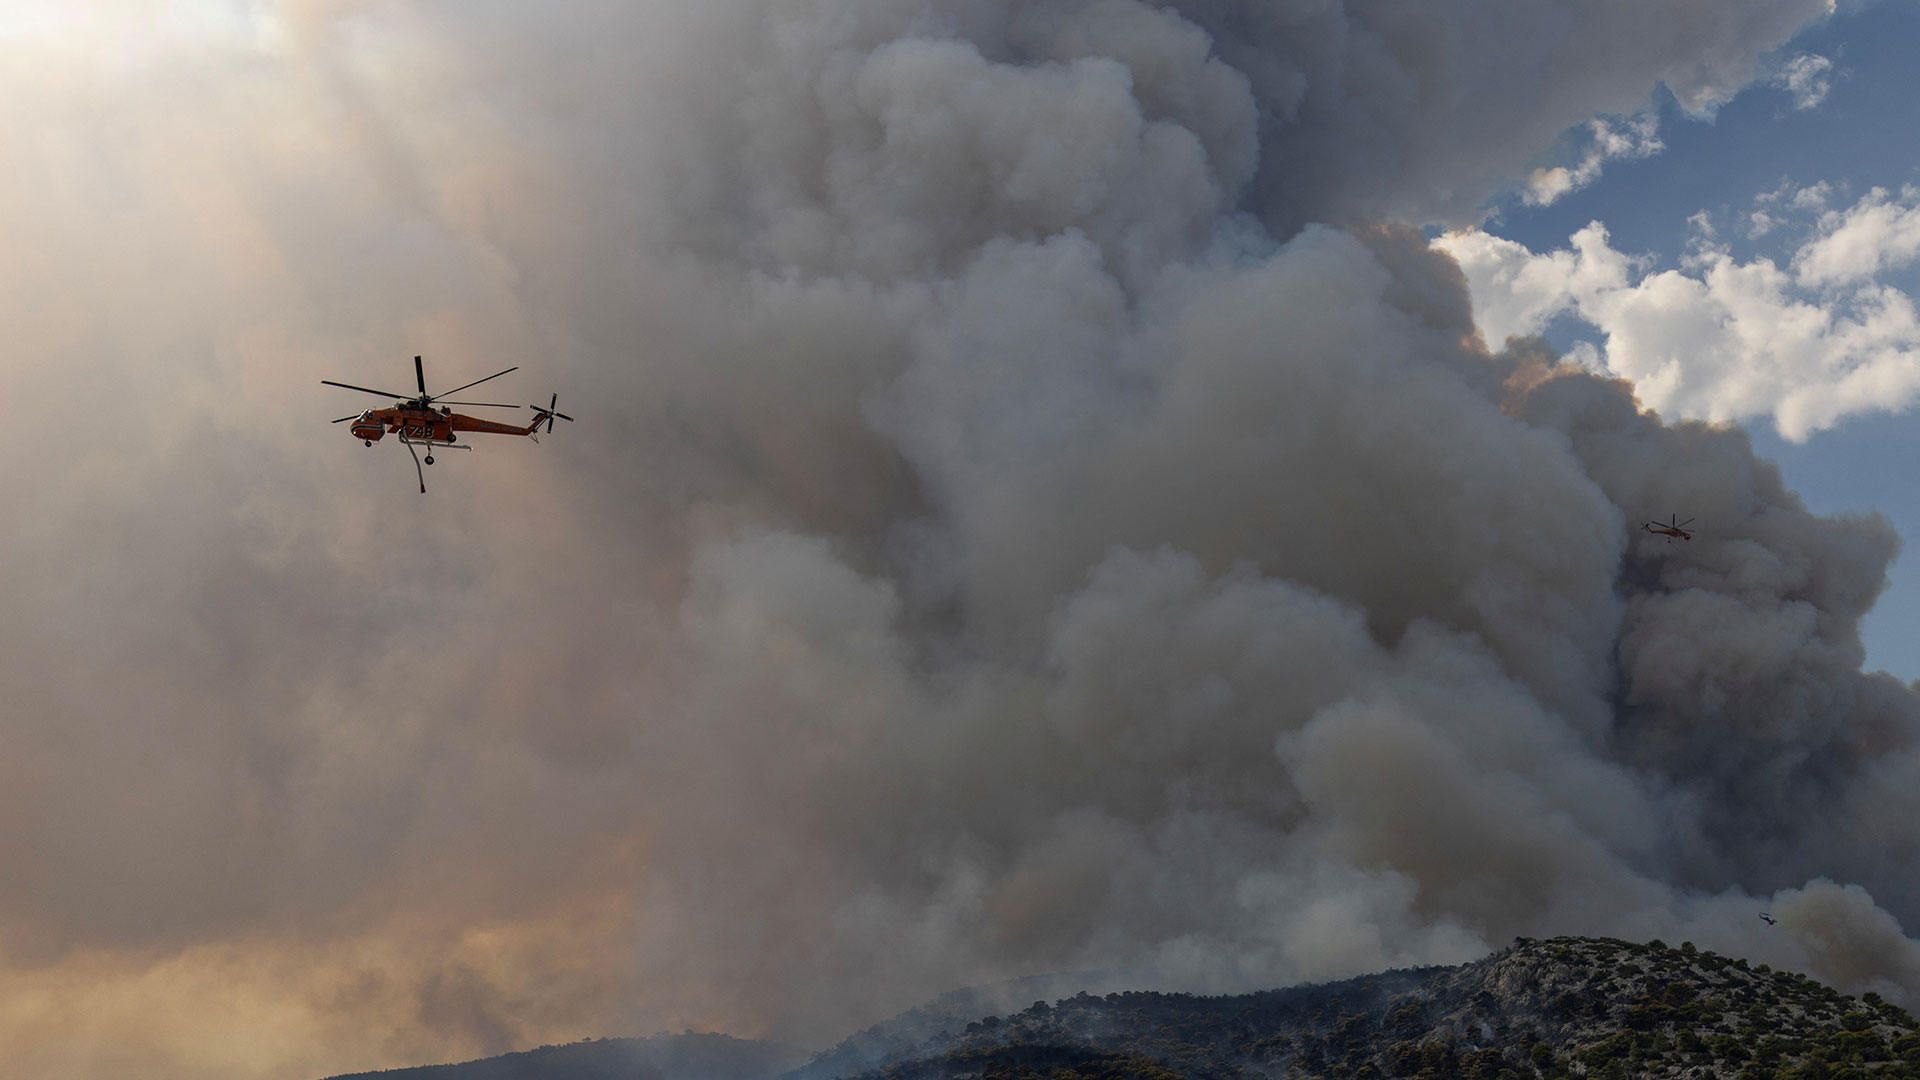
(1038, 504)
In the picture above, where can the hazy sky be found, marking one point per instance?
(1044, 498)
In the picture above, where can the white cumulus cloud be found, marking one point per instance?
(1635, 137)
(1806, 344)
(1876, 234)
(1808, 78)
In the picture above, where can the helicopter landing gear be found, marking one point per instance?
(369, 442)
(429, 459)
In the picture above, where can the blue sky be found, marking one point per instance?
(1858, 137)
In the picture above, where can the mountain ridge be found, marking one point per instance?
(710, 1056)
(1537, 1010)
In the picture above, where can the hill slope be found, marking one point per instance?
(662, 1057)
(1566, 1007)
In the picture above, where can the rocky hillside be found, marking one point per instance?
(1564, 1007)
(1567, 1007)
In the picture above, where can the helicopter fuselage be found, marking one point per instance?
(427, 425)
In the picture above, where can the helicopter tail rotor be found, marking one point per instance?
(547, 413)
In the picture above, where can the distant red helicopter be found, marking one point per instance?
(417, 422)
(1672, 530)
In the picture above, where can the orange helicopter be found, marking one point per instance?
(1672, 530)
(418, 422)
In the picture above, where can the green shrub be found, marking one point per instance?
(1728, 1048)
(1869, 1046)
(1611, 1048)
(1678, 994)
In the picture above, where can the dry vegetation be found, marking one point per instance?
(1568, 1007)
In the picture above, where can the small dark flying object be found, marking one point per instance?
(418, 423)
(1671, 530)
(1768, 919)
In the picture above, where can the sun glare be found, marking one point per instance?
(129, 33)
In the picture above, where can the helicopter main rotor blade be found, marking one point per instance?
(362, 389)
(344, 419)
(475, 382)
(476, 404)
(420, 375)
(1684, 524)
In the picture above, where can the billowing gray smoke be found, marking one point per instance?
(1031, 510)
